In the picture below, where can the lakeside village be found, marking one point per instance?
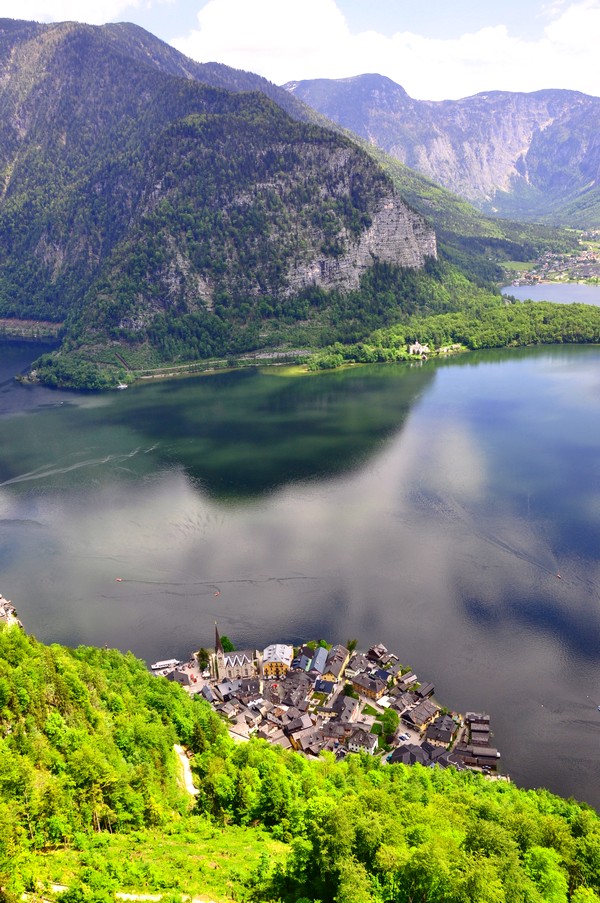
(318, 697)
(582, 265)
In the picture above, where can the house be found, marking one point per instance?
(346, 708)
(394, 670)
(250, 686)
(406, 681)
(409, 754)
(420, 716)
(478, 756)
(389, 659)
(275, 736)
(336, 662)
(324, 688)
(442, 730)
(417, 348)
(480, 737)
(208, 694)
(303, 661)
(369, 686)
(226, 689)
(311, 741)
(298, 724)
(358, 663)
(277, 660)
(402, 701)
(362, 741)
(180, 677)
(477, 718)
(229, 710)
(376, 652)
(425, 690)
(319, 659)
(296, 687)
(441, 757)
(302, 738)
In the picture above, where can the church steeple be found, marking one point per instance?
(218, 643)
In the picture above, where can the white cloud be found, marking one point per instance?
(94, 12)
(271, 37)
(285, 40)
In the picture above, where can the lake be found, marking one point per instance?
(559, 292)
(429, 507)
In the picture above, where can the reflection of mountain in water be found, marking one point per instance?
(244, 434)
(239, 434)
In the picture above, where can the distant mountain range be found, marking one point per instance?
(522, 156)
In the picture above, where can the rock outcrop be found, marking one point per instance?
(397, 235)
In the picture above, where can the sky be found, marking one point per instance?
(437, 50)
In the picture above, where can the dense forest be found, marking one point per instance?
(90, 800)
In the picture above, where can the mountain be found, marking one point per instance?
(523, 156)
(146, 209)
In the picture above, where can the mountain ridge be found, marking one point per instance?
(525, 155)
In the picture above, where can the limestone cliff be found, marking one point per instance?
(397, 235)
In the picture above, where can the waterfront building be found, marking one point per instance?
(277, 660)
(233, 665)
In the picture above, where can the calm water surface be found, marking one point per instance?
(428, 507)
(559, 292)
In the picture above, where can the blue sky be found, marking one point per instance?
(439, 49)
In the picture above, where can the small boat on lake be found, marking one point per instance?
(168, 663)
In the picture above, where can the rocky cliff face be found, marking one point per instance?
(508, 153)
(397, 235)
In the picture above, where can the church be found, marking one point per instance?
(233, 665)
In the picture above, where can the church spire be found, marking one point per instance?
(218, 643)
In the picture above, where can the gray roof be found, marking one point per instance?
(278, 652)
(319, 660)
(369, 683)
(238, 658)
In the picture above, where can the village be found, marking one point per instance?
(319, 697)
(582, 265)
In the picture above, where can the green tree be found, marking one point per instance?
(389, 723)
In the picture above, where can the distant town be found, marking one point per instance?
(582, 265)
(318, 697)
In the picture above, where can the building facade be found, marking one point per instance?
(277, 660)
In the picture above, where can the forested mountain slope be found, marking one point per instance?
(90, 798)
(522, 156)
(147, 208)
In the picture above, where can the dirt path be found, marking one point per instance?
(188, 780)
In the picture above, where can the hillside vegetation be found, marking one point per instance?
(90, 798)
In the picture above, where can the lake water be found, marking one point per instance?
(429, 507)
(559, 292)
